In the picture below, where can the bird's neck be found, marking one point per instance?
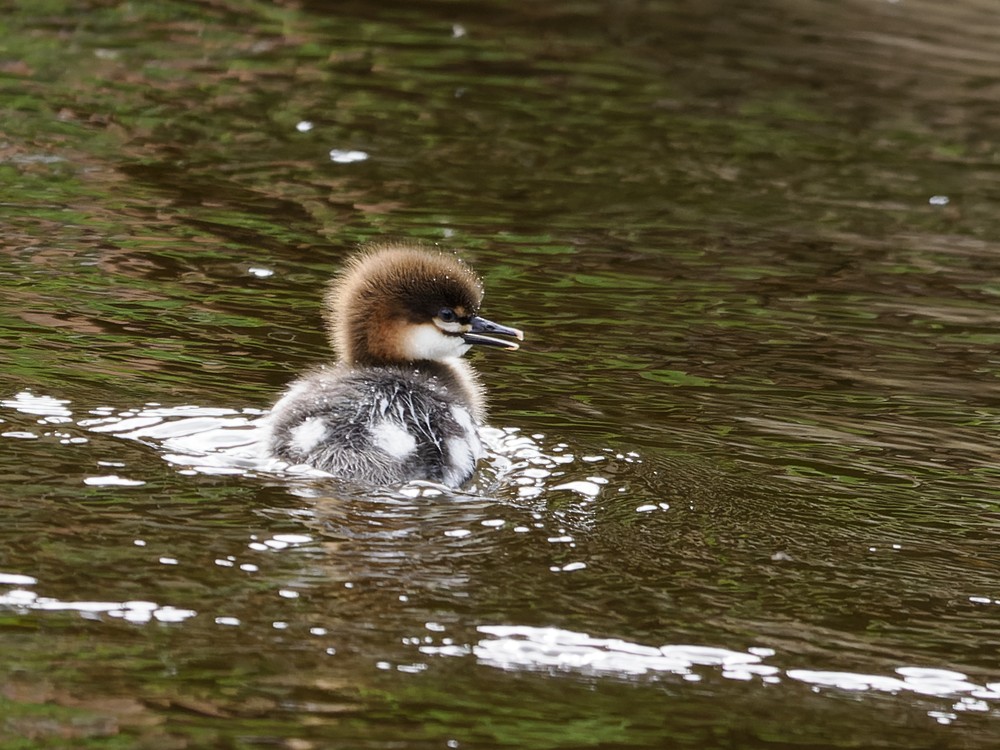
(459, 377)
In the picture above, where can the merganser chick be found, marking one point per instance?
(400, 403)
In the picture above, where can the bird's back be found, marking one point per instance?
(379, 425)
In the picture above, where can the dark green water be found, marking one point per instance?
(746, 492)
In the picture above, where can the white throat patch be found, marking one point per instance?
(427, 341)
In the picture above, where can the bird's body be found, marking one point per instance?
(400, 403)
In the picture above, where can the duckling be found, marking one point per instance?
(399, 403)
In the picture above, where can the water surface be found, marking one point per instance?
(742, 491)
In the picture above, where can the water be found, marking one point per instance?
(742, 482)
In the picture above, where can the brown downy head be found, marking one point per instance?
(394, 304)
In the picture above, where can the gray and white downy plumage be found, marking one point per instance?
(400, 403)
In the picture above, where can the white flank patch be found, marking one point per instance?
(309, 434)
(427, 341)
(460, 461)
(393, 439)
(464, 420)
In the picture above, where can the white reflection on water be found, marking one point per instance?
(16, 579)
(45, 406)
(519, 647)
(515, 647)
(203, 440)
(112, 480)
(50, 410)
(223, 441)
(347, 156)
(23, 601)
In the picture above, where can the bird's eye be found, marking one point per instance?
(447, 315)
